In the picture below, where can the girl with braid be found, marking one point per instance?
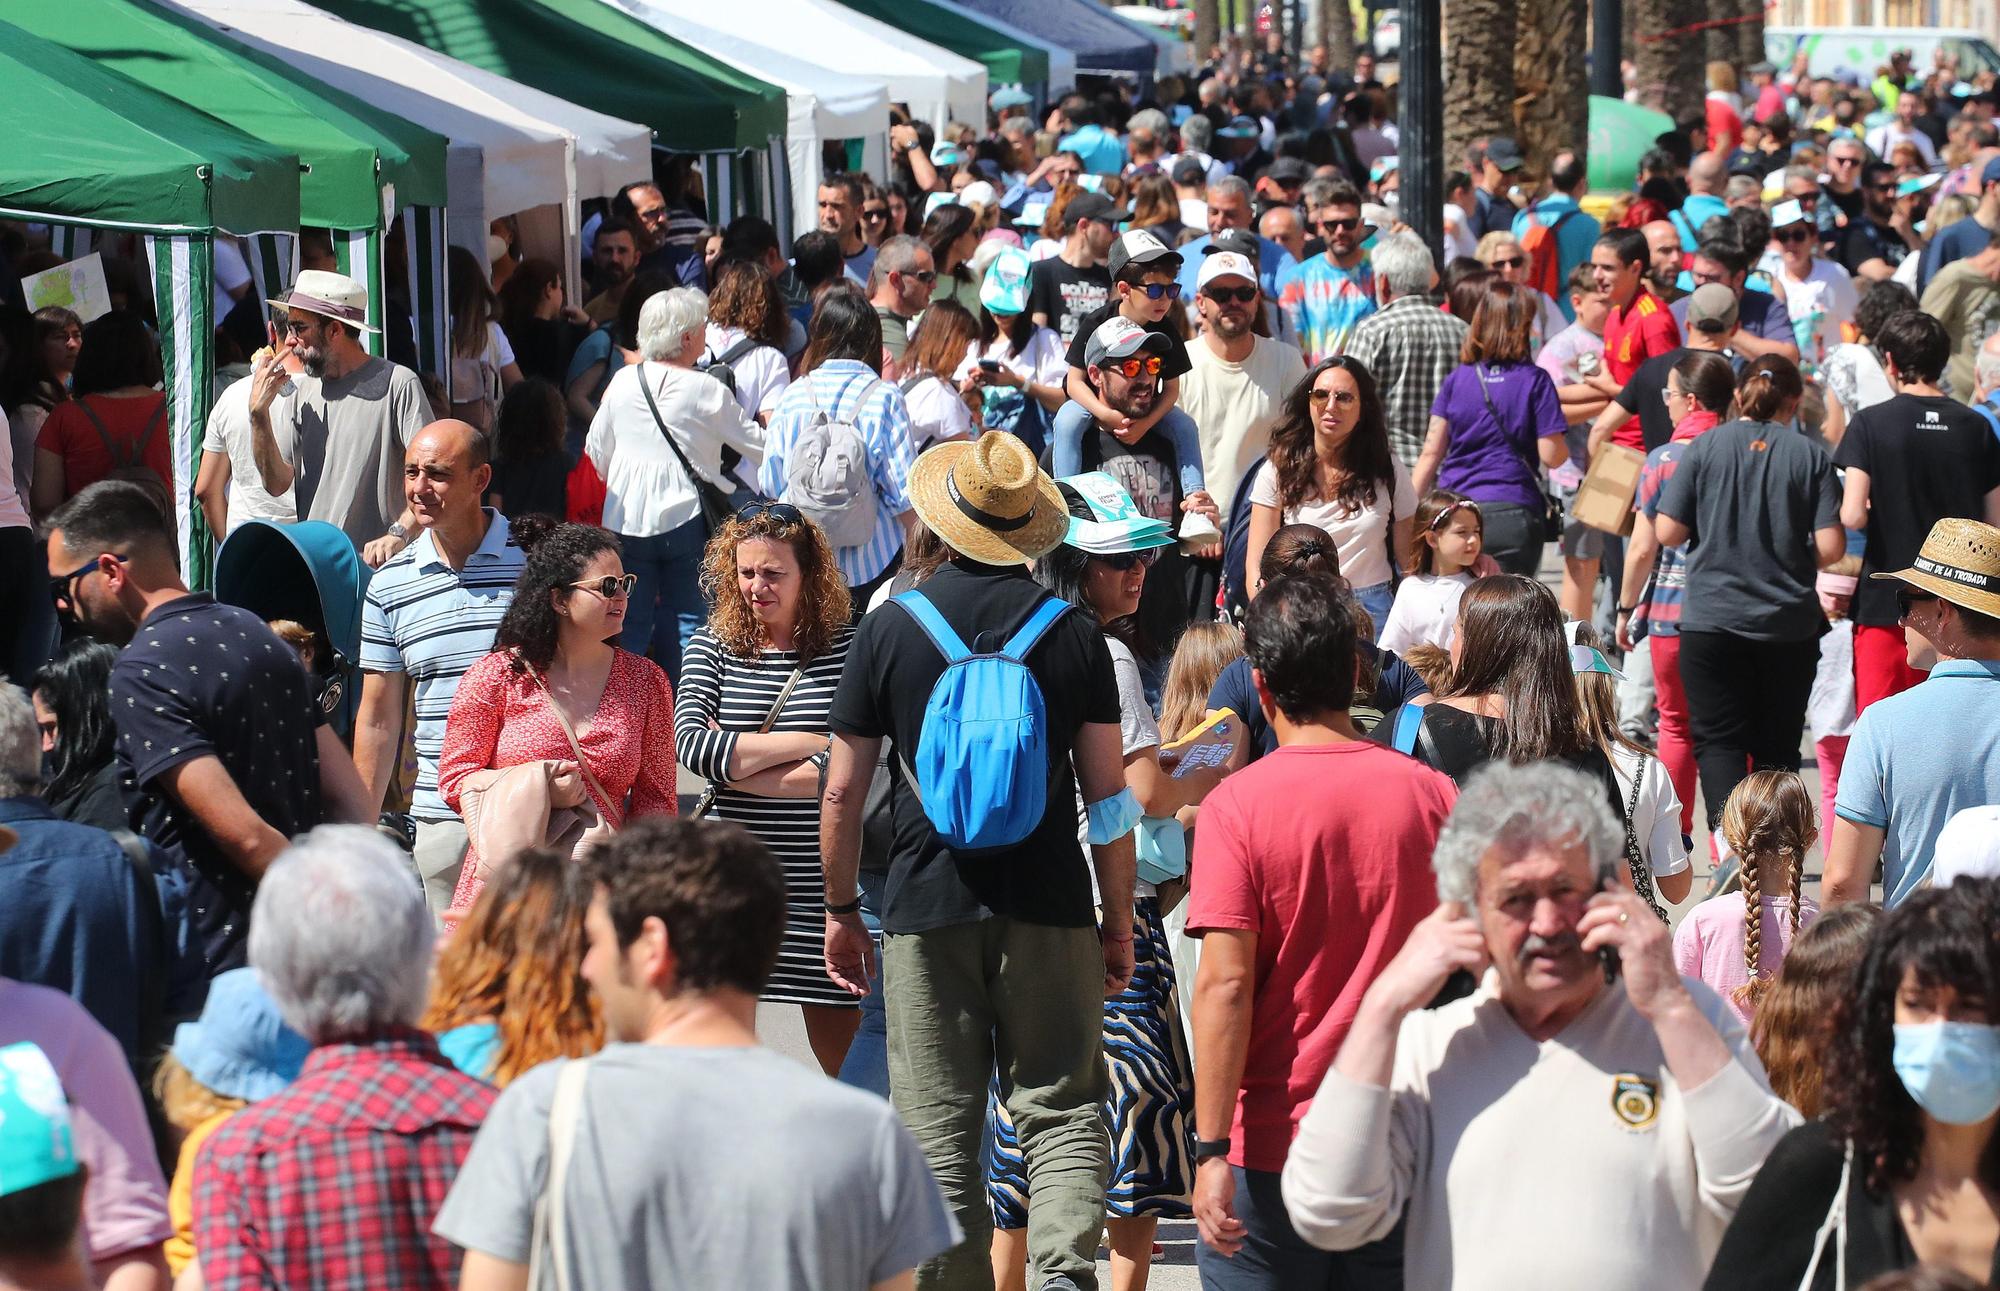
(1736, 945)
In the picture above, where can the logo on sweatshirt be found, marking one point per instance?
(1635, 1101)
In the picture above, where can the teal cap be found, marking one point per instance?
(35, 1142)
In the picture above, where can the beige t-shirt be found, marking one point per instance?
(1235, 405)
(345, 438)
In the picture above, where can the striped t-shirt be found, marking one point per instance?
(423, 618)
(849, 391)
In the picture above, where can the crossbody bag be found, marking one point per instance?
(706, 803)
(715, 508)
(1552, 514)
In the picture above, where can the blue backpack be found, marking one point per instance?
(982, 765)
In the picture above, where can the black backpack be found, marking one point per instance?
(722, 366)
(1236, 547)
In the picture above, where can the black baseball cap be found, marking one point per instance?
(1093, 206)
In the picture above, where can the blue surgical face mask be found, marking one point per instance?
(1952, 1069)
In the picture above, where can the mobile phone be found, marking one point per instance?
(1607, 956)
(989, 365)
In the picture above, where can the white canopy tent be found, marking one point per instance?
(513, 149)
(938, 85)
(1062, 59)
(820, 103)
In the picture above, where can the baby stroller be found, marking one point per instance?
(310, 574)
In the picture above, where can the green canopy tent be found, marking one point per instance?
(89, 147)
(1007, 60)
(1620, 134)
(591, 54)
(361, 163)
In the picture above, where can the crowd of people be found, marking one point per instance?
(1075, 625)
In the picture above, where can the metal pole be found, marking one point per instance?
(1606, 37)
(1420, 119)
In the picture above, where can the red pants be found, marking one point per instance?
(1676, 741)
(1829, 752)
(1881, 665)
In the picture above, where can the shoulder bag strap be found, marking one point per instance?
(1642, 873)
(1527, 459)
(738, 350)
(694, 481)
(1834, 1226)
(582, 762)
(548, 1250)
(706, 803)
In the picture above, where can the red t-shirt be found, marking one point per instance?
(1636, 333)
(1725, 126)
(69, 435)
(1325, 853)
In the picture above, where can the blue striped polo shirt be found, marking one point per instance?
(424, 618)
(850, 391)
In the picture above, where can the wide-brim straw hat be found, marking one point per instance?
(988, 501)
(330, 295)
(1960, 562)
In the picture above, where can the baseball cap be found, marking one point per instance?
(1004, 290)
(1504, 153)
(1287, 171)
(978, 193)
(1119, 337)
(1010, 96)
(1189, 171)
(1094, 206)
(1225, 264)
(1788, 212)
(945, 153)
(1138, 246)
(1239, 127)
(1990, 174)
(36, 1146)
(1967, 847)
(1762, 69)
(1712, 308)
(1241, 241)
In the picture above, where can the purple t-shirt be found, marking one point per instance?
(1489, 461)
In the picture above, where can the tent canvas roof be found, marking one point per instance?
(1006, 58)
(591, 54)
(338, 137)
(1102, 43)
(89, 144)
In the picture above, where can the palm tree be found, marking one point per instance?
(1336, 30)
(1551, 83)
(1750, 34)
(1667, 57)
(1207, 27)
(1478, 74)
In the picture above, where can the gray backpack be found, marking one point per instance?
(827, 474)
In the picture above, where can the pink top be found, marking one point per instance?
(1709, 942)
(125, 1202)
(501, 718)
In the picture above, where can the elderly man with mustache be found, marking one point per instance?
(1585, 1118)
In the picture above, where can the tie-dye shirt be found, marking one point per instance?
(1324, 302)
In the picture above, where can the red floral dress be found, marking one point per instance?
(501, 718)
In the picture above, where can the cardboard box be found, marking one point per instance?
(1604, 500)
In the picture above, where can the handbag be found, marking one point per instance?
(548, 1245)
(714, 502)
(706, 803)
(1642, 873)
(1552, 512)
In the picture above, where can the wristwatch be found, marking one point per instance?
(847, 908)
(1206, 1148)
(397, 530)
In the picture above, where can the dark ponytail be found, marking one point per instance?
(1768, 384)
(1300, 549)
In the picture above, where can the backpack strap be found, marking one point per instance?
(737, 350)
(548, 1244)
(152, 1034)
(119, 459)
(1403, 736)
(152, 425)
(1038, 623)
(919, 607)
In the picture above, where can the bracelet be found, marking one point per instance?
(1204, 1149)
(850, 907)
(1628, 609)
(1117, 936)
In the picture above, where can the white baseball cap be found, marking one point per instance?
(1968, 847)
(1225, 264)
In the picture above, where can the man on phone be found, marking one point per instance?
(1583, 1064)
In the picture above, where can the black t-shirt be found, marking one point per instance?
(1642, 394)
(1458, 743)
(1065, 294)
(1149, 471)
(204, 679)
(1174, 363)
(1864, 240)
(1927, 458)
(884, 688)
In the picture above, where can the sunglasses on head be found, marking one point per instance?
(1230, 295)
(610, 586)
(1157, 290)
(1132, 367)
(1125, 561)
(782, 512)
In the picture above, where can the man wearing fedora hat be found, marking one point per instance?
(1919, 757)
(990, 958)
(337, 432)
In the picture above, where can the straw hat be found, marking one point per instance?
(1959, 562)
(332, 295)
(988, 500)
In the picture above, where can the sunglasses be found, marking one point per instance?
(874, 214)
(62, 587)
(1230, 295)
(1908, 598)
(610, 586)
(1797, 235)
(782, 512)
(1132, 367)
(1342, 399)
(1342, 226)
(1843, 161)
(1158, 290)
(1126, 561)
(1509, 262)
(922, 275)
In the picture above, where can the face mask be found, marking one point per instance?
(1952, 1069)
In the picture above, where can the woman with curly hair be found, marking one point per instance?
(757, 685)
(556, 688)
(1902, 1170)
(508, 992)
(1330, 466)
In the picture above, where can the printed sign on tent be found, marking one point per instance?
(77, 286)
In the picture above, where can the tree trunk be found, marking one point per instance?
(1207, 28)
(1668, 68)
(1336, 32)
(1718, 44)
(1750, 40)
(1551, 82)
(1478, 74)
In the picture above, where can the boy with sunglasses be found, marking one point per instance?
(1144, 291)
